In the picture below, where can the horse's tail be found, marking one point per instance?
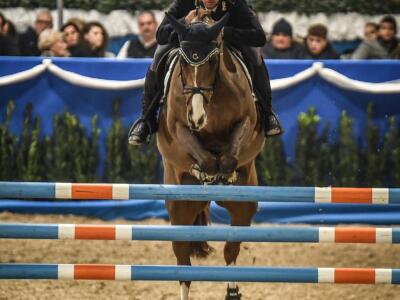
(202, 249)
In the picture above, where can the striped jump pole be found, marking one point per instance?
(17, 190)
(201, 233)
(189, 273)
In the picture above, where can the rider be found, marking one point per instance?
(243, 31)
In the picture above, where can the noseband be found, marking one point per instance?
(193, 90)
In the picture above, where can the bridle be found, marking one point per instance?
(193, 90)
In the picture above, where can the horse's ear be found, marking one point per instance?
(178, 27)
(228, 60)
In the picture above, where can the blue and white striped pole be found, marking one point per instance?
(191, 273)
(202, 233)
(30, 190)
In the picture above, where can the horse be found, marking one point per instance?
(209, 133)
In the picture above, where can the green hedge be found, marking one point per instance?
(72, 153)
(302, 6)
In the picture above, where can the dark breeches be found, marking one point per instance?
(251, 57)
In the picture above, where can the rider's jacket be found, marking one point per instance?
(242, 29)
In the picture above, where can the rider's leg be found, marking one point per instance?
(146, 125)
(262, 88)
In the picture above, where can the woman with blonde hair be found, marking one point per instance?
(51, 43)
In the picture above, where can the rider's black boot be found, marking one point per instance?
(263, 91)
(142, 129)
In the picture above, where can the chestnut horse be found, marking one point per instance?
(208, 133)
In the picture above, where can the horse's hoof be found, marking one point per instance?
(233, 178)
(209, 166)
(201, 176)
(227, 164)
(233, 294)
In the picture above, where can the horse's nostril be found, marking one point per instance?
(201, 120)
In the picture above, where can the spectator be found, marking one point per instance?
(51, 43)
(317, 44)
(94, 42)
(8, 39)
(28, 41)
(145, 45)
(282, 45)
(71, 35)
(10, 31)
(371, 31)
(80, 23)
(385, 46)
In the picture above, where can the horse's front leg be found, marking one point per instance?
(228, 161)
(206, 162)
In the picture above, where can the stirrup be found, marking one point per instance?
(134, 142)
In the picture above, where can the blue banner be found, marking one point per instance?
(50, 94)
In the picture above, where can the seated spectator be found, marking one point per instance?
(282, 45)
(28, 41)
(371, 31)
(94, 39)
(8, 38)
(52, 44)
(145, 45)
(80, 23)
(317, 44)
(385, 46)
(71, 35)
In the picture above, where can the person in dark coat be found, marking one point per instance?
(385, 46)
(317, 44)
(72, 35)
(281, 45)
(242, 31)
(28, 41)
(93, 42)
(8, 38)
(146, 44)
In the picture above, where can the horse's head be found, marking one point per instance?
(199, 64)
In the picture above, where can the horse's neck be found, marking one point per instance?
(229, 67)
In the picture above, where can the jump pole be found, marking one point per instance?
(32, 190)
(190, 273)
(202, 233)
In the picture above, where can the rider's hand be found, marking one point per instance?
(191, 15)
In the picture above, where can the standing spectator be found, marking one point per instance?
(71, 35)
(51, 43)
(8, 38)
(94, 42)
(28, 41)
(317, 44)
(282, 45)
(145, 45)
(385, 46)
(371, 31)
